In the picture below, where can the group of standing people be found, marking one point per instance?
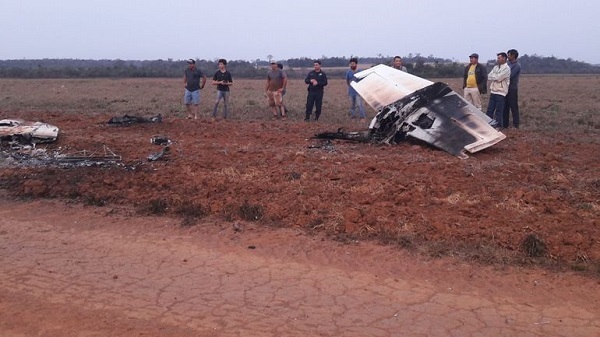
(503, 82)
(275, 88)
(194, 80)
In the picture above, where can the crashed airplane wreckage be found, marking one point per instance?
(27, 132)
(410, 106)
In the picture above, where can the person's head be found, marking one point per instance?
(273, 65)
(501, 58)
(317, 65)
(280, 66)
(222, 63)
(191, 63)
(397, 62)
(474, 58)
(513, 54)
(353, 63)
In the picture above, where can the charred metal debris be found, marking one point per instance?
(127, 120)
(18, 131)
(410, 106)
(30, 156)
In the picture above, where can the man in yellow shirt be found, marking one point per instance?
(474, 81)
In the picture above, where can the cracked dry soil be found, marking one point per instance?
(161, 248)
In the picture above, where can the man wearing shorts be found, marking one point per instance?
(276, 83)
(192, 78)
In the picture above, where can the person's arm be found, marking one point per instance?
(491, 76)
(515, 72)
(308, 78)
(268, 83)
(322, 80)
(482, 83)
(203, 82)
(214, 79)
(484, 73)
(284, 85)
(504, 74)
(348, 78)
(185, 79)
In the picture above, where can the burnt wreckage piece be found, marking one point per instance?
(127, 120)
(432, 113)
(27, 132)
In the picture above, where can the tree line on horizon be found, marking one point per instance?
(428, 67)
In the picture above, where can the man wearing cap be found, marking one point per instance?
(316, 80)
(474, 81)
(355, 100)
(191, 78)
(499, 79)
(276, 83)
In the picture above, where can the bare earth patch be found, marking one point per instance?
(272, 172)
(249, 227)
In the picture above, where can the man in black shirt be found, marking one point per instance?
(222, 80)
(316, 81)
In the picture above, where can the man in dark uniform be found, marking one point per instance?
(316, 80)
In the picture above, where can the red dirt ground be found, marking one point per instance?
(227, 186)
(274, 173)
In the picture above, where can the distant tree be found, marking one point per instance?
(417, 65)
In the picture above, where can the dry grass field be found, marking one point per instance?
(542, 183)
(548, 103)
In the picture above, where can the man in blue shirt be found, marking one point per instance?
(355, 99)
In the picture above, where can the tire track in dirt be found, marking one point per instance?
(80, 272)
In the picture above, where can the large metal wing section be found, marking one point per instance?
(410, 106)
(382, 85)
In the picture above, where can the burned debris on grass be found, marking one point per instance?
(28, 156)
(127, 120)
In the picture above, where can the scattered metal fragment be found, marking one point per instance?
(27, 156)
(127, 120)
(160, 140)
(238, 227)
(324, 144)
(87, 158)
(159, 155)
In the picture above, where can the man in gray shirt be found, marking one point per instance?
(191, 97)
(511, 102)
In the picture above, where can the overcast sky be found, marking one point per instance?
(249, 30)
